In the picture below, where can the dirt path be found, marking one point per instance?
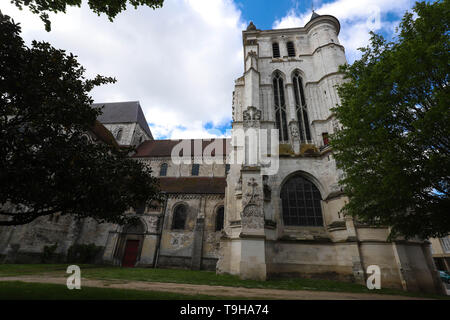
(212, 290)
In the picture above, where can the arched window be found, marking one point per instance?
(300, 108)
(119, 134)
(290, 49)
(179, 217)
(136, 227)
(300, 199)
(195, 169)
(163, 170)
(219, 218)
(280, 107)
(276, 50)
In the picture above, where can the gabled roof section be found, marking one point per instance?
(163, 148)
(123, 112)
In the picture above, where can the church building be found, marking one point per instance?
(245, 217)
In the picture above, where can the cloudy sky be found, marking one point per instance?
(180, 61)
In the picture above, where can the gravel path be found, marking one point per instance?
(213, 290)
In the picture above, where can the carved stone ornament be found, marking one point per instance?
(294, 131)
(251, 116)
(252, 215)
(251, 197)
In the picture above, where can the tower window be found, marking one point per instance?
(163, 170)
(219, 218)
(179, 217)
(276, 50)
(290, 49)
(195, 169)
(280, 107)
(119, 134)
(325, 138)
(300, 108)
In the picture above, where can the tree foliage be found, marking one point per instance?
(394, 143)
(48, 163)
(109, 7)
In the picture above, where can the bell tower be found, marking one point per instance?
(281, 104)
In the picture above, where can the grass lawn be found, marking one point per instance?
(17, 290)
(200, 277)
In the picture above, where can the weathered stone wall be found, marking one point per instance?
(179, 247)
(184, 169)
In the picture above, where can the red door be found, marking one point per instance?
(131, 253)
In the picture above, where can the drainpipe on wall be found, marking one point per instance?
(158, 246)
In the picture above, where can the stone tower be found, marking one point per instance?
(283, 218)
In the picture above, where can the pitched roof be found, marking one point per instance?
(123, 112)
(163, 148)
(205, 185)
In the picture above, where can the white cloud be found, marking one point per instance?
(356, 18)
(179, 61)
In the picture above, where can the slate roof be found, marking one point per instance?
(314, 16)
(163, 148)
(123, 112)
(203, 185)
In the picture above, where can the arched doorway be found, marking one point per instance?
(129, 245)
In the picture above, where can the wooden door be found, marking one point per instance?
(131, 253)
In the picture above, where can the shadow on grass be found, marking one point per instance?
(204, 278)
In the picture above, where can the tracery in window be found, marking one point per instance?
(300, 200)
(280, 107)
(300, 108)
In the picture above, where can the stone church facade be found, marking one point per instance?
(237, 217)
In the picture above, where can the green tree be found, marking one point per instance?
(394, 142)
(109, 7)
(48, 162)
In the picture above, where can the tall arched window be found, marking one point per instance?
(163, 170)
(300, 108)
(280, 107)
(290, 49)
(219, 218)
(179, 217)
(276, 50)
(300, 199)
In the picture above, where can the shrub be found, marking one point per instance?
(48, 252)
(83, 253)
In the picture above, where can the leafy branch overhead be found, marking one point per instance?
(394, 145)
(109, 7)
(49, 163)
